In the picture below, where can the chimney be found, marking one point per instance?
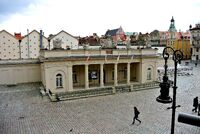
(41, 34)
(18, 36)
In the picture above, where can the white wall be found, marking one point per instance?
(9, 46)
(67, 40)
(30, 45)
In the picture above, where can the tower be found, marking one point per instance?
(172, 33)
(172, 27)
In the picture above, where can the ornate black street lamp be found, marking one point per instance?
(164, 97)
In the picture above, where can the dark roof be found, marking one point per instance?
(172, 20)
(195, 28)
(155, 32)
(111, 32)
(92, 41)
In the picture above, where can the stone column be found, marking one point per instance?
(128, 73)
(86, 77)
(115, 75)
(70, 75)
(101, 75)
(140, 74)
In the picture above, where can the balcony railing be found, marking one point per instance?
(97, 52)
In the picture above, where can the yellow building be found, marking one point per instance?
(183, 44)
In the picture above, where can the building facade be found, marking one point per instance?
(118, 35)
(28, 46)
(182, 43)
(171, 34)
(33, 58)
(9, 46)
(67, 40)
(31, 44)
(195, 42)
(154, 38)
(73, 70)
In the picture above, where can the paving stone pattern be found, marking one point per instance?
(24, 111)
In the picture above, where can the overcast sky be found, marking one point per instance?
(84, 17)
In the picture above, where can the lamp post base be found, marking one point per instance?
(166, 100)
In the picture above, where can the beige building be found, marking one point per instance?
(72, 70)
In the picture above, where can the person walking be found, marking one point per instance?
(195, 104)
(136, 113)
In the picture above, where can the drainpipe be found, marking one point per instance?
(20, 56)
(28, 43)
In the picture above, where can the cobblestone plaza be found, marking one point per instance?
(24, 111)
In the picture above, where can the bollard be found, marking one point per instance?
(189, 119)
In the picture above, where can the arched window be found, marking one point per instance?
(59, 81)
(149, 74)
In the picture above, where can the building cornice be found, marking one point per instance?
(19, 61)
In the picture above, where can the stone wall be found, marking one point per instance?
(12, 74)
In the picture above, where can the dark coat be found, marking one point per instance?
(195, 102)
(136, 112)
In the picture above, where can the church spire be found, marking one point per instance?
(172, 27)
(172, 20)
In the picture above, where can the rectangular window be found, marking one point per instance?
(197, 50)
